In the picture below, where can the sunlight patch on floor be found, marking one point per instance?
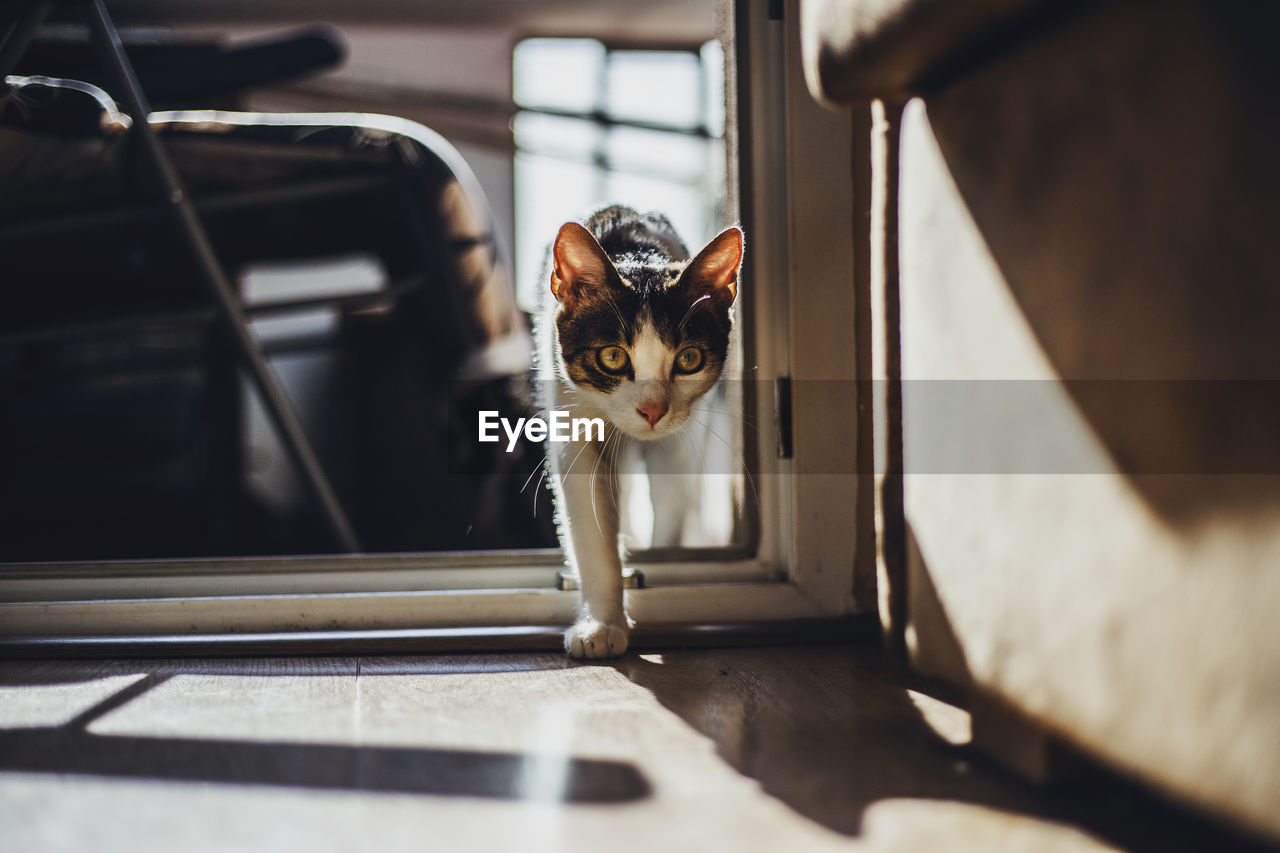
(948, 722)
(40, 705)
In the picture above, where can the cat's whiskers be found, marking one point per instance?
(592, 482)
(545, 460)
(738, 416)
(613, 464)
(567, 471)
(613, 439)
(626, 329)
(742, 462)
(536, 491)
(571, 403)
(689, 313)
(687, 438)
(614, 488)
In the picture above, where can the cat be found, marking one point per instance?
(636, 332)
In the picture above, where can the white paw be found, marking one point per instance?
(588, 638)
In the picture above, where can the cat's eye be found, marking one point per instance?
(613, 359)
(689, 360)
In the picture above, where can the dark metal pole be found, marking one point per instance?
(107, 41)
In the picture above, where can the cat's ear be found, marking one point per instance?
(579, 266)
(714, 271)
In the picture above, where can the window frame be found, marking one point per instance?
(798, 277)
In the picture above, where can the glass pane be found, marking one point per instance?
(557, 74)
(128, 427)
(713, 77)
(558, 136)
(549, 192)
(678, 157)
(655, 87)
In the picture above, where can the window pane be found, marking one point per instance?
(713, 78)
(549, 192)
(558, 74)
(656, 87)
(558, 136)
(137, 425)
(655, 152)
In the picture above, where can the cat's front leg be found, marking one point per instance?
(587, 502)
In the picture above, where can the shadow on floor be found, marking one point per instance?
(832, 730)
(828, 730)
(437, 772)
(72, 749)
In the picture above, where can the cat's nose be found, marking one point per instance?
(652, 412)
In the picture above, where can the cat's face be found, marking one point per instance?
(643, 338)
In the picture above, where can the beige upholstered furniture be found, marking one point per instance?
(1089, 193)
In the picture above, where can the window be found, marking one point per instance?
(650, 152)
(643, 127)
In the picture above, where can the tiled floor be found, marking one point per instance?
(780, 749)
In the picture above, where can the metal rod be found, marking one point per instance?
(604, 120)
(20, 35)
(107, 41)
